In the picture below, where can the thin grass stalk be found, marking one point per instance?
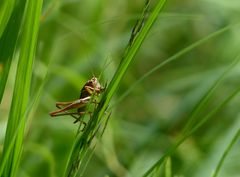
(171, 149)
(126, 61)
(188, 133)
(173, 58)
(83, 141)
(226, 152)
(22, 88)
(205, 99)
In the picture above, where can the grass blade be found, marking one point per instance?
(83, 141)
(203, 102)
(188, 133)
(22, 87)
(8, 42)
(31, 107)
(168, 167)
(171, 150)
(220, 163)
(128, 58)
(174, 57)
(6, 8)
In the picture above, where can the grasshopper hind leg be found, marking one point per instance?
(77, 118)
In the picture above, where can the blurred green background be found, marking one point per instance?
(82, 38)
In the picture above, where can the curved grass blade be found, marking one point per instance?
(171, 150)
(203, 102)
(8, 43)
(83, 140)
(172, 58)
(22, 87)
(197, 125)
(228, 149)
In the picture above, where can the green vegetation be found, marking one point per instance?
(171, 104)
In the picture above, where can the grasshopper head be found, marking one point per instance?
(92, 86)
(95, 85)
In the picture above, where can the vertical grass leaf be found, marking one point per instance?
(6, 8)
(22, 87)
(31, 108)
(8, 42)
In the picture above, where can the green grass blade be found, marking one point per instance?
(22, 87)
(82, 141)
(128, 58)
(195, 127)
(31, 107)
(6, 8)
(203, 102)
(171, 150)
(228, 149)
(174, 57)
(8, 42)
(168, 167)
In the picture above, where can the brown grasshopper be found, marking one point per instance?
(89, 89)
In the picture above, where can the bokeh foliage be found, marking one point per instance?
(77, 38)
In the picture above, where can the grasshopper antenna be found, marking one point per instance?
(93, 75)
(104, 67)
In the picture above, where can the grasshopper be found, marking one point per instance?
(92, 87)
